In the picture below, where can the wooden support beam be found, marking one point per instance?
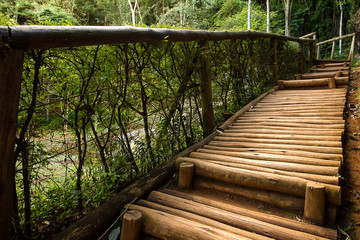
(186, 171)
(314, 210)
(333, 50)
(206, 90)
(11, 65)
(352, 48)
(131, 225)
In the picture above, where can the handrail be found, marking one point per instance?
(313, 34)
(333, 40)
(44, 37)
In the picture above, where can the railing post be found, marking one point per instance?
(273, 43)
(318, 52)
(333, 50)
(206, 89)
(351, 54)
(11, 64)
(301, 57)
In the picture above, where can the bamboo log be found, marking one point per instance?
(269, 218)
(203, 220)
(331, 69)
(227, 217)
(334, 157)
(322, 143)
(279, 117)
(293, 114)
(275, 157)
(314, 210)
(332, 50)
(327, 150)
(305, 83)
(131, 225)
(186, 172)
(286, 166)
(266, 181)
(157, 224)
(322, 75)
(294, 120)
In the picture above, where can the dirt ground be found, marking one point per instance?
(349, 216)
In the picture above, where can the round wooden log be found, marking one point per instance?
(281, 84)
(331, 83)
(285, 166)
(131, 225)
(200, 219)
(186, 171)
(230, 218)
(270, 218)
(314, 210)
(290, 153)
(274, 157)
(266, 181)
(167, 226)
(338, 74)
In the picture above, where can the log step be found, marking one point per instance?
(303, 83)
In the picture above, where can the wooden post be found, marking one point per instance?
(333, 50)
(273, 43)
(301, 57)
(186, 171)
(318, 52)
(11, 64)
(332, 83)
(206, 90)
(298, 77)
(131, 225)
(314, 210)
(281, 84)
(351, 54)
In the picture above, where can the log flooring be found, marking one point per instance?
(257, 169)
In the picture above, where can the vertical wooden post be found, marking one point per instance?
(273, 43)
(131, 225)
(186, 172)
(11, 64)
(314, 210)
(312, 53)
(332, 83)
(281, 84)
(298, 76)
(351, 54)
(206, 90)
(333, 50)
(318, 52)
(301, 57)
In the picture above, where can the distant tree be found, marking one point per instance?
(249, 15)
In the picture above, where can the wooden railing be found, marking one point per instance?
(334, 40)
(16, 40)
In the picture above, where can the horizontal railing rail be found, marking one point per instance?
(333, 40)
(45, 37)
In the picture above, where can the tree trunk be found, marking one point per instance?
(267, 16)
(249, 15)
(340, 29)
(287, 8)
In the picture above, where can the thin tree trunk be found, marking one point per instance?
(287, 8)
(249, 15)
(133, 11)
(341, 24)
(267, 16)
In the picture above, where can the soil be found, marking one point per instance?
(349, 215)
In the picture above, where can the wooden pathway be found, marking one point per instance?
(284, 155)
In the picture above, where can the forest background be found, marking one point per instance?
(94, 119)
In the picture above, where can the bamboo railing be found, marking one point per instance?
(14, 41)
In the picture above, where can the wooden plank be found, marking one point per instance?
(269, 218)
(273, 157)
(197, 218)
(279, 165)
(285, 124)
(156, 223)
(285, 130)
(281, 136)
(227, 217)
(287, 152)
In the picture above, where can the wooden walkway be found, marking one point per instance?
(270, 175)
